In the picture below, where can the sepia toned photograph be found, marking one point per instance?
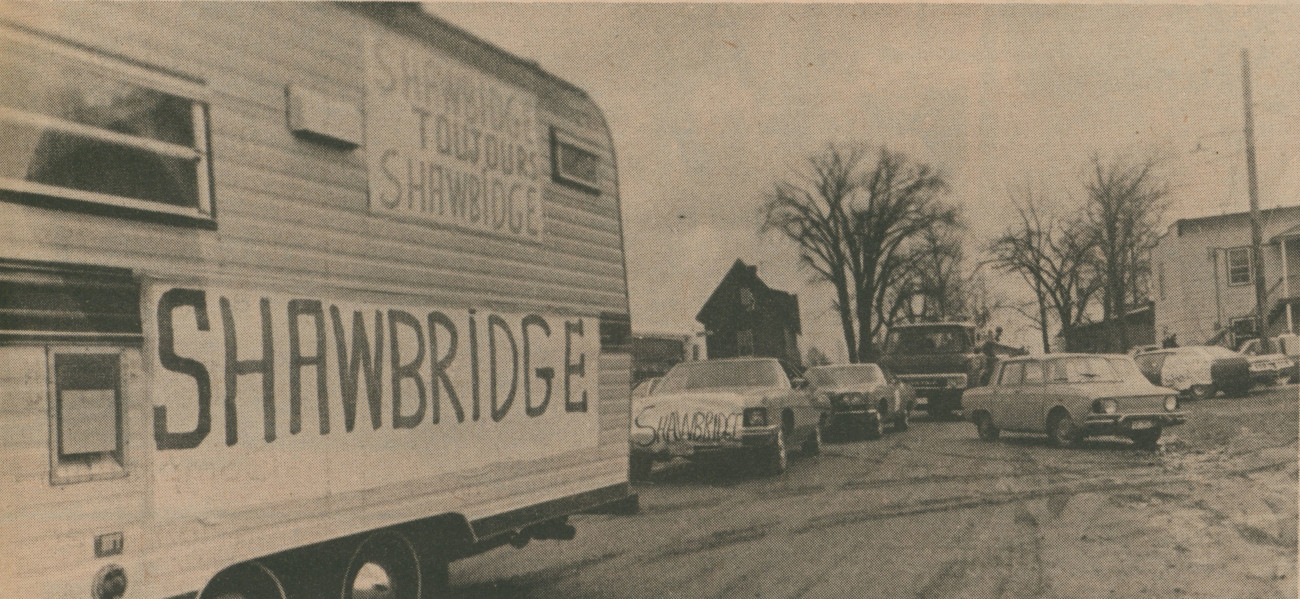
(604, 300)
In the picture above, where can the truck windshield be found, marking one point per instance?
(928, 340)
(843, 376)
(710, 375)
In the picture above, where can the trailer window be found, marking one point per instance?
(574, 162)
(85, 415)
(83, 129)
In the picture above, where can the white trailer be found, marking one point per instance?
(295, 297)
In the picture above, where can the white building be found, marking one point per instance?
(1203, 276)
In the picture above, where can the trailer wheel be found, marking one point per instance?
(385, 566)
(249, 580)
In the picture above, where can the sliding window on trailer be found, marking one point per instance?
(91, 131)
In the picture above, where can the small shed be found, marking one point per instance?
(1099, 337)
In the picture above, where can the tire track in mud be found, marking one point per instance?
(965, 502)
(730, 587)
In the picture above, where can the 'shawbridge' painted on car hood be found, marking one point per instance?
(660, 422)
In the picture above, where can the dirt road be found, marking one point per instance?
(934, 512)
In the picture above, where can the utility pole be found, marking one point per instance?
(1256, 235)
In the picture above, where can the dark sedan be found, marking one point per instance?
(861, 397)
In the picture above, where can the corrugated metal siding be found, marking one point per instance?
(292, 214)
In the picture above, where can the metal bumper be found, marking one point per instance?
(851, 416)
(751, 436)
(1122, 424)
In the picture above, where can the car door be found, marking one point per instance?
(1003, 399)
(1026, 414)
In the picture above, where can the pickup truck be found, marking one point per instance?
(940, 360)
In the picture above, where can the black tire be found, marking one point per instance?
(874, 427)
(1063, 432)
(813, 444)
(1201, 392)
(903, 420)
(639, 466)
(1147, 439)
(246, 581)
(1281, 379)
(390, 555)
(773, 459)
(986, 429)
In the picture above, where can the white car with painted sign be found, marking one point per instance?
(307, 311)
(737, 407)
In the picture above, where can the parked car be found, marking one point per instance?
(861, 397)
(1198, 371)
(725, 408)
(1267, 364)
(1072, 396)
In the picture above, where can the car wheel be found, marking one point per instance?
(1063, 432)
(1200, 392)
(987, 430)
(772, 459)
(639, 466)
(1281, 379)
(875, 427)
(903, 420)
(813, 444)
(1146, 439)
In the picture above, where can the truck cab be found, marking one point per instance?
(939, 360)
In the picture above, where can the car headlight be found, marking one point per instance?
(755, 416)
(1105, 406)
(1171, 403)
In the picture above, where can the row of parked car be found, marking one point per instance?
(759, 408)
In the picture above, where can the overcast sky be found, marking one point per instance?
(710, 104)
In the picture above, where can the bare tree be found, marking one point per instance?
(936, 274)
(900, 201)
(812, 209)
(854, 226)
(1055, 256)
(1123, 210)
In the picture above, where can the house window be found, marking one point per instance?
(1239, 266)
(85, 414)
(746, 298)
(82, 129)
(745, 342)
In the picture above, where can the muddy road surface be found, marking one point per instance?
(934, 512)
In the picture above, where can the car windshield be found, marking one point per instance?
(716, 374)
(928, 340)
(1082, 370)
(645, 388)
(1127, 370)
(844, 376)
